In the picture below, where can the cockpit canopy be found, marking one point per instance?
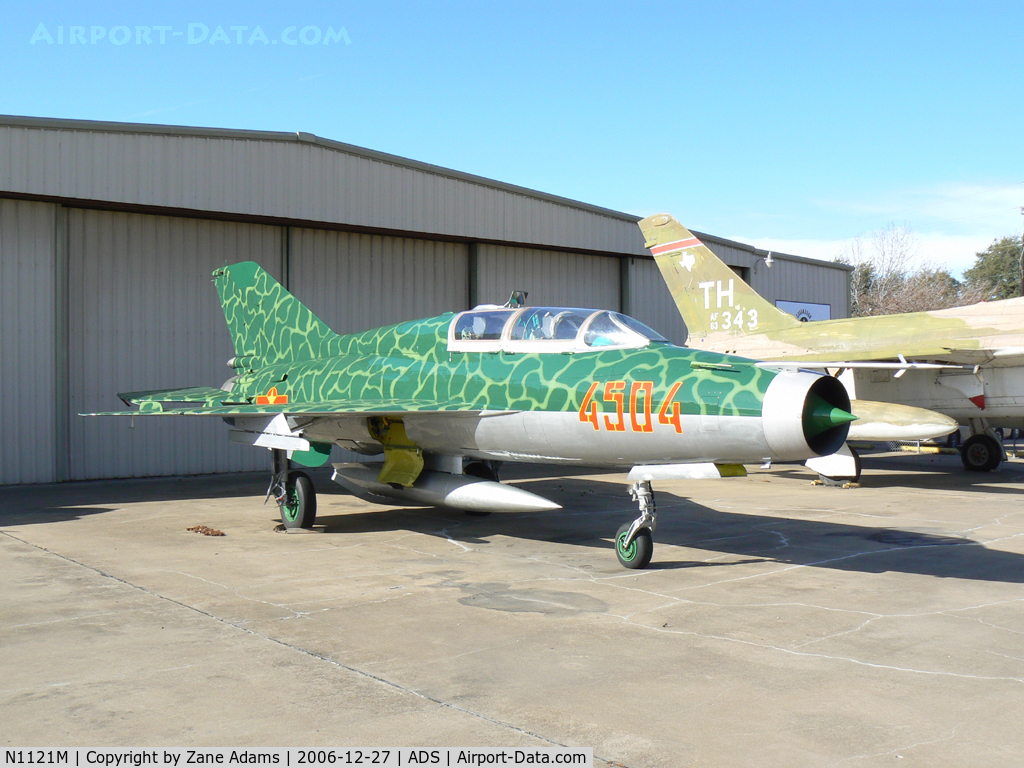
(547, 329)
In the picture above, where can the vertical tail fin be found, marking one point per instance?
(267, 324)
(711, 297)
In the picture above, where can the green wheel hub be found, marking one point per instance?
(290, 509)
(624, 552)
(298, 507)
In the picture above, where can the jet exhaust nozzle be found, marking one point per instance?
(805, 413)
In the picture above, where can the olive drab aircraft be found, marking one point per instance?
(963, 363)
(448, 399)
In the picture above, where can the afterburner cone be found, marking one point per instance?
(820, 415)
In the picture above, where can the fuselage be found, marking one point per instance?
(653, 403)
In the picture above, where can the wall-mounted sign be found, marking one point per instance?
(805, 311)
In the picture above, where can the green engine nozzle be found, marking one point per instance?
(820, 415)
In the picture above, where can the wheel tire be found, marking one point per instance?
(638, 553)
(980, 453)
(299, 509)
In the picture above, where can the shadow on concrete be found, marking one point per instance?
(54, 502)
(31, 504)
(593, 508)
(590, 517)
(938, 472)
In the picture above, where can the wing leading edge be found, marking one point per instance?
(153, 404)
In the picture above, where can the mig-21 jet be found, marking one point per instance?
(448, 399)
(965, 363)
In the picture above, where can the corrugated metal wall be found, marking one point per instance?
(551, 278)
(28, 350)
(799, 281)
(651, 303)
(354, 282)
(791, 279)
(295, 176)
(143, 314)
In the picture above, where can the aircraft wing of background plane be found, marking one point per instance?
(447, 399)
(963, 362)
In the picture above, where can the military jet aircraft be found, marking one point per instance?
(448, 399)
(965, 363)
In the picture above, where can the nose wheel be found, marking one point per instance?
(634, 542)
(636, 554)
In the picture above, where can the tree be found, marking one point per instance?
(996, 270)
(885, 280)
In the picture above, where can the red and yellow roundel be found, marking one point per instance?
(272, 398)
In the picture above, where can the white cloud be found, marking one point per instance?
(956, 208)
(950, 223)
(954, 252)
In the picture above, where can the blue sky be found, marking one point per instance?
(794, 126)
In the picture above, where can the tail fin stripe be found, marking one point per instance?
(678, 245)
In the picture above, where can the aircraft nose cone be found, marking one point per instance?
(820, 415)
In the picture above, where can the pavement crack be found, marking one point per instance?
(832, 657)
(297, 649)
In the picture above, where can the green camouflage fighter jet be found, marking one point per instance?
(447, 399)
(965, 363)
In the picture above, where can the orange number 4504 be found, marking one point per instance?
(615, 393)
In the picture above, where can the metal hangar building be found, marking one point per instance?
(109, 233)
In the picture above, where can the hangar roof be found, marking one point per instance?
(298, 179)
(291, 177)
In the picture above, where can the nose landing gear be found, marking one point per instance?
(634, 542)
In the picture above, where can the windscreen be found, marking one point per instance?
(485, 326)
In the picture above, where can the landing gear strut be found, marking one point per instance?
(293, 492)
(634, 542)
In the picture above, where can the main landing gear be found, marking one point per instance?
(293, 492)
(634, 542)
(982, 451)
